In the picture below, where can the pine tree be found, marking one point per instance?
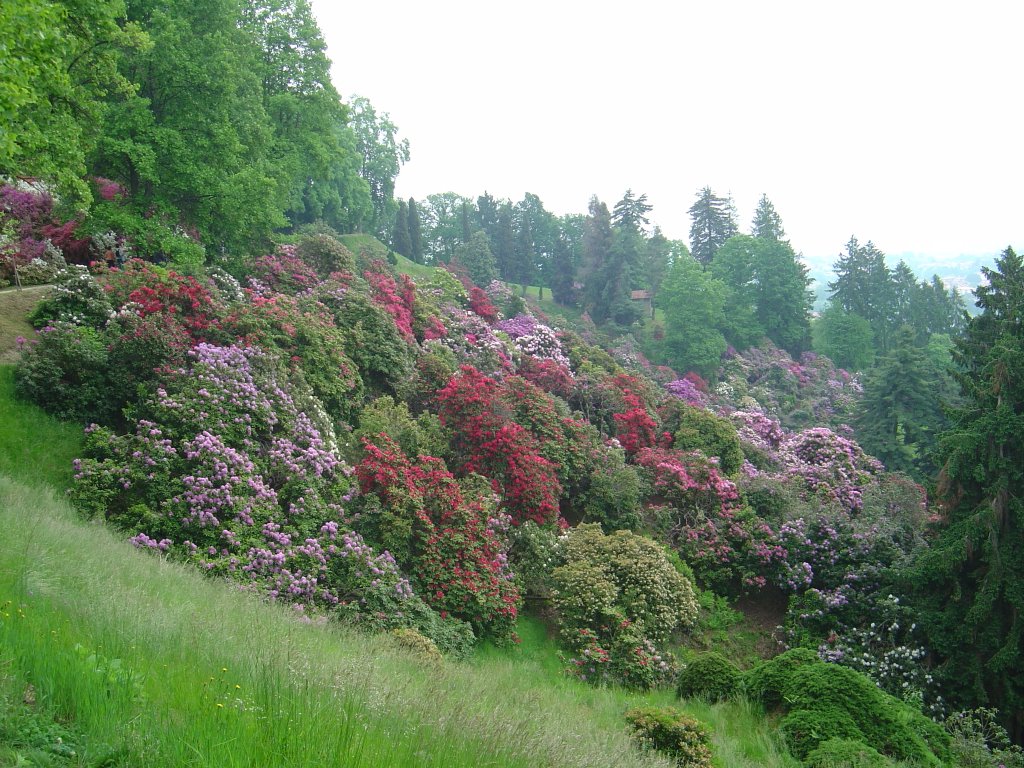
(767, 223)
(970, 584)
(714, 222)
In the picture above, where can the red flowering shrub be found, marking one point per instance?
(453, 549)
(480, 303)
(488, 441)
(548, 375)
(146, 290)
(397, 300)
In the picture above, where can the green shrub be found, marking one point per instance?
(534, 553)
(417, 644)
(829, 701)
(712, 435)
(979, 741)
(617, 597)
(710, 676)
(64, 372)
(805, 729)
(626, 573)
(673, 733)
(325, 254)
(77, 297)
(768, 682)
(888, 724)
(846, 753)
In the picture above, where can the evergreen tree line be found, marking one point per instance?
(218, 118)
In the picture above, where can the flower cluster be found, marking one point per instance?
(489, 442)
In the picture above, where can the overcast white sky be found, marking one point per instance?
(899, 122)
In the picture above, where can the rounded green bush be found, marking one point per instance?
(805, 729)
(673, 733)
(325, 254)
(767, 682)
(712, 435)
(418, 644)
(846, 753)
(710, 676)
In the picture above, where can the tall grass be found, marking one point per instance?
(169, 668)
(34, 447)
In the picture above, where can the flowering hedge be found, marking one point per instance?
(487, 441)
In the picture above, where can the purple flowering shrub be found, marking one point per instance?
(801, 394)
(223, 469)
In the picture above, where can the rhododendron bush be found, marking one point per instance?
(488, 441)
(450, 543)
(619, 599)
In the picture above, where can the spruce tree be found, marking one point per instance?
(767, 223)
(970, 584)
(899, 415)
(714, 222)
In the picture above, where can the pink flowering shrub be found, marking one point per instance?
(283, 271)
(396, 297)
(700, 512)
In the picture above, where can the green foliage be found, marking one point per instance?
(979, 741)
(846, 753)
(418, 644)
(151, 237)
(827, 701)
(899, 414)
(325, 254)
(767, 682)
(60, 67)
(677, 735)
(714, 436)
(371, 339)
(534, 553)
(709, 676)
(844, 337)
(419, 436)
(968, 586)
(621, 575)
(64, 372)
(476, 258)
(805, 729)
(77, 297)
(693, 302)
(714, 222)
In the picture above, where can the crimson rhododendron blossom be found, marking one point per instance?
(488, 441)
